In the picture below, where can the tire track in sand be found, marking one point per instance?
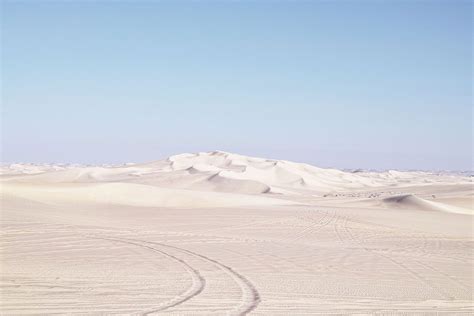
(250, 295)
(198, 282)
(414, 273)
(314, 226)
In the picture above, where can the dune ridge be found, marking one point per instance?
(219, 172)
(218, 164)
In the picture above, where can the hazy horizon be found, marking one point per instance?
(334, 84)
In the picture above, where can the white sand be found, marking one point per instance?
(219, 233)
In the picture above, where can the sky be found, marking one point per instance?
(345, 84)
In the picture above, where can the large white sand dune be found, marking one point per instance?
(224, 234)
(226, 172)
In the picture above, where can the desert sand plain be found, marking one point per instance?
(216, 233)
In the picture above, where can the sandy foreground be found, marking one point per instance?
(223, 234)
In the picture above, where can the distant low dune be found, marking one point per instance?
(410, 201)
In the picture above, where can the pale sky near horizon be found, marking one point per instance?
(346, 84)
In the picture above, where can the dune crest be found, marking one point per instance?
(222, 172)
(179, 181)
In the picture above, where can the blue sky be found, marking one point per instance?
(346, 84)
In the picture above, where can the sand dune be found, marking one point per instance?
(410, 201)
(226, 172)
(223, 234)
(131, 194)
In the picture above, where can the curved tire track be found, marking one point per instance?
(250, 295)
(198, 282)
